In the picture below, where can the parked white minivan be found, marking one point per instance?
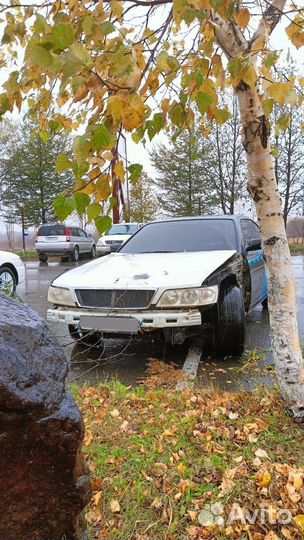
(65, 242)
(115, 237)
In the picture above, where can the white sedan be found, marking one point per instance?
(12, 271)
(182, 277)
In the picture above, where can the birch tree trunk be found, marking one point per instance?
(282, 301)
(263, 187)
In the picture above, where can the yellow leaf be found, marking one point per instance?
(250, 76)
(97, 498)
(94, 173)
(299, 519)
(295, 31)
(117, 8)
(266, 479)
(181, 468)
(114, 506)
(279, 91)
(242, 18)
(119, 170)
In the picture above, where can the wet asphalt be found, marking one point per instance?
(127, 360)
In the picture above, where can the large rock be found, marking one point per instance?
(43, 483)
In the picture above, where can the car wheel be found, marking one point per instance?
(265, 303)
(75, 254)
(86, 337)
(8, 281)
(43, 258)
(230, 324)
(93, 252)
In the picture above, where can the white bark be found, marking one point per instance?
(263, 186)
(282, 301)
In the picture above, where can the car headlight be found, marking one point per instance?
(101, 242)
(189, 297)
(60, 295)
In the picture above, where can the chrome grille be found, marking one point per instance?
(114, 299)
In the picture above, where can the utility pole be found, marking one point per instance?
(23, 230)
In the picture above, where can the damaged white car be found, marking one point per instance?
(186, 276)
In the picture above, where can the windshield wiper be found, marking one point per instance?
(159, 251)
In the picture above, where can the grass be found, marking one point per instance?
(159, 457)
(296, 249)
(27, 255)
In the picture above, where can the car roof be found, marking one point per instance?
(197, 218)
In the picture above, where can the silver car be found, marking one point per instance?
(63, 241)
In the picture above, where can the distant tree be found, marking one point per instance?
(289, 158)
(181, 175)
(227, 162)
(196, 175)
(143, 204)
(28, 178)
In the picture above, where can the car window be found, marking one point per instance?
(247, 230)
(51, 230)
(255, 230)
(82, 233)
(184, 235)
(123, 228)
(251, 230)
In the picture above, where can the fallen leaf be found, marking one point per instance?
(271, 535)
(114, 413)
(265, 480)
(181, 468)
(157, 503)
(193, 515)
(261, 454)
(299, 519)
(291, 490)
(96, 498)
(159, 469)
(286, 533)
(114, 506)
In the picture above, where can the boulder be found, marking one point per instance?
(44, 485)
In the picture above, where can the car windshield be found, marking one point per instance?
(183, 235)
(51, 230)
(122, 228)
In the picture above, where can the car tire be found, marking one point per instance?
(8, 280)
(230, 325)
(93, 252)
(265, 303)
(86, 337)
(75, 254)
(43, 258)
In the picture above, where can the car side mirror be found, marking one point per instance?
(254, 245)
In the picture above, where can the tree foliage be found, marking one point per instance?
(106, 71)
(28, 178)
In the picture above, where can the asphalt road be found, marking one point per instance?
(127, 360)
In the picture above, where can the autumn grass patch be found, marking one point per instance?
(161, 459)
(296, 249)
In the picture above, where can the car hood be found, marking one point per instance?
(8, 257)
(145, 270)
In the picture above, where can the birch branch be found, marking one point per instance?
(271, 17)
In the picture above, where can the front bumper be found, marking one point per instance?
(147, 319)
(21, 273)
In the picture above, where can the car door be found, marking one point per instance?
(256, 262)
(85, 241)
